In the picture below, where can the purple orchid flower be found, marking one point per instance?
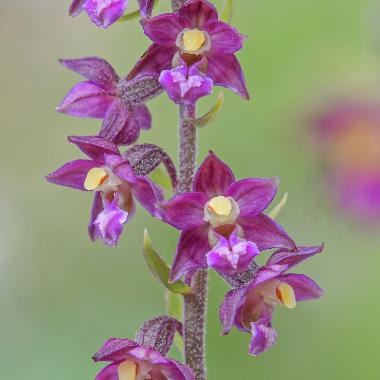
(104, 13)
(348, 138)
(120, 103)
(194, 34)
(186, 84)
(115, 184)
(250, 308)
(232, 255)
(219, 203)
(133, 361)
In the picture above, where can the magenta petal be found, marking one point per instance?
(224, 38)
(72, 174)
(114, 121)
(198, 12)
(163, 29)
(147, 194)
(86, 99)
(109, 222)
(263, 338)
(76, 7)
(96, 209)
(95, 147)
(293, 258)
(304, 287)
(94, 69)
(225, 71)
(142, 116)
(105, 13)
(265, 233)
(229, 308)
(191, 252)
(146, 7)
(114, 350)
(185, 211)
(213, 177)
(156, 59)
(253, 195)
(108, 373)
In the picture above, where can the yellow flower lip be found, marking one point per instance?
(193, 40)
(95, 178)
(285, 294)
(221, 206)
(127, 370)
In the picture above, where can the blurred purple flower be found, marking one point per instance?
(185, 84)
(250, 308)
(133, 361)
(219, 203)
(194, 34)
(104, 13)
(115, 184)
(119, 102)
(348, 137)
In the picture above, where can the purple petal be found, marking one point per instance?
(108, 373)
(94, 69)
(191, 252)
(224, 38)
(304, 287)
(184, 86)
(266, 233)
(230, 306)
(72, 174)
(185, 211)
(76, 7)
(213, 177)
(253, 195)
(114, 121)
(163, 29)
(147, 194)
(95, 147)
(263, 338)
(225, 71)
(86, 99)
(105, 13)
(146, 7)
(185, 373)
(142, 116)
(292, 258)
(156, 59)
(114, 350)
(96, 209)
(198, 12)
(109, 223)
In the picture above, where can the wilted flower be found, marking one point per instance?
(219, 203)
(105, 12)
(120, 103)
(185, 84)
(250, 308)
(348, 138)
(194, 34)
(114, 183)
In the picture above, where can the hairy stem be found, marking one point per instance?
(196, 303)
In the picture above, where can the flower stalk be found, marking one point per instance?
(195, 303)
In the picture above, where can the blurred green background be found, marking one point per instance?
(61, 295)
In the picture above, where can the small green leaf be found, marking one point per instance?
(211, 115)
(160, 269)
(130, 16)
(227, 11)
(161, 178)
(277, 209)
(174, 308)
